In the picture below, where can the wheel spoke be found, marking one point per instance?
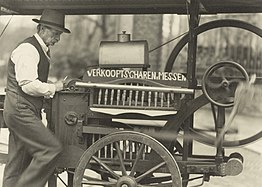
(156, 185)
(122, 165)
(214, 85)
(139, 154)
(228, 90)
(139, 178)
(223, 72)
(90, 178)
(95, 182)
(114, 174)
(234, 81)
(154, 180)
(219, 72)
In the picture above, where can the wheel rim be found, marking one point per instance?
(206, 27)
(221, 89)
(125, 169)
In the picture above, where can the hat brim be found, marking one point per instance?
(62, 29)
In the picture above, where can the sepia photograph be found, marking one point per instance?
(130, 93)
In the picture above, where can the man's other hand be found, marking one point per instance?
(59, 85)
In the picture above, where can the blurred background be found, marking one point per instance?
(81, 48)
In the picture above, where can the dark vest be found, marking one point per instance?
(43, 70)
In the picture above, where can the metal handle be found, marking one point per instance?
(136, 88)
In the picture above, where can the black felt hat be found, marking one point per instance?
(53, 19)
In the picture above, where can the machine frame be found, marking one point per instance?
(74, 134)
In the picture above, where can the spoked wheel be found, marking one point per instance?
(129, 159)
(220, 82)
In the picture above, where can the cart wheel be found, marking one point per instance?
(130, 159)
(220, 82)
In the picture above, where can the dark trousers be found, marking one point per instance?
(33, 149)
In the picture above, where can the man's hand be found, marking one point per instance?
(59, 85)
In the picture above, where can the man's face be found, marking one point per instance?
(51, 36)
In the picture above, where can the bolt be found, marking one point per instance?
(225, 83)
(124, 185)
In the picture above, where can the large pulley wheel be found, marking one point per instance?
(220, 82)
(207, 27)
(129, 159)
(200, 136)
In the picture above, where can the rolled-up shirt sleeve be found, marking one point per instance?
(38, 88)
(26, 59)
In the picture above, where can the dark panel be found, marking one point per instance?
(131, 6)
(233, 6)
(97, 6)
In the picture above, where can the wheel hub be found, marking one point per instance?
(126, 181)
(225, 84)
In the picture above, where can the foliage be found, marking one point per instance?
(80, 49)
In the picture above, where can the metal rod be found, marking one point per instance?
(162, 99)
(193, 8)
(130, 96)
(142, 98)
(144, 152)
(106, 95)
(155, 99)
(220, 124)
(136, 97)
(168, 100)
(135, 88)
(124, 149)
(106, 151)
(99, 151)
(118, 97)
(124, 97)
(112, 96)
(130, 150)
(172, 96)
(99, 96)
(93, 138)
(111, 150)
(149, 98)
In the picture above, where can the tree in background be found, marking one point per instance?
(218, 44)
(80, 49)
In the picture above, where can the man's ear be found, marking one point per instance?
(42, 28)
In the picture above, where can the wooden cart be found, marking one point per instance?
(123, 131)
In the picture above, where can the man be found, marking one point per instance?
(33, 149)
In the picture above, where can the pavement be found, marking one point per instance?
(247, 124)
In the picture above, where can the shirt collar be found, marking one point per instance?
(41, 42)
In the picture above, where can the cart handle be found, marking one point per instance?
(135, 88)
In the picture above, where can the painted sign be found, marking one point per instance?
(134, 74)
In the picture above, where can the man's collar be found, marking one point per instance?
(41, 42)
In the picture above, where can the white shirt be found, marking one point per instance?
(26, 59)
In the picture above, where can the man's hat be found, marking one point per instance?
(53, 19)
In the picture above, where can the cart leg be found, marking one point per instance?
(52, 181)
(219, 126)
(70, 177)
(191, 76)
(185, 178)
